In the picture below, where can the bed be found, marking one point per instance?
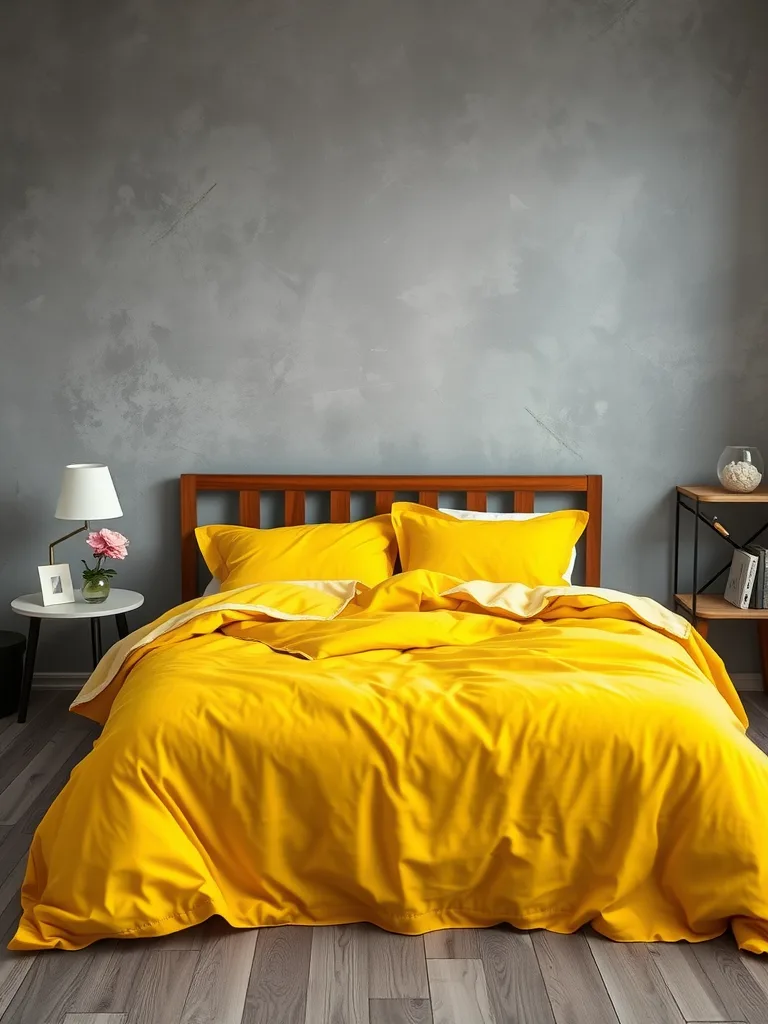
(425, 752)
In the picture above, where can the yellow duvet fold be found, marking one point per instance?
(425, 754)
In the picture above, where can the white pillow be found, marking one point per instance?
(462, 513)
(213, 587)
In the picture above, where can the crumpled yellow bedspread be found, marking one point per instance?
(422, 755)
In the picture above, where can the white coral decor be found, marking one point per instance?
(740, 476)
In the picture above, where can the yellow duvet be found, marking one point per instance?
(422, 755)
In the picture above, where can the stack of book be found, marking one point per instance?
(747, 585)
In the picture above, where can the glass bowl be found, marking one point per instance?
(740, 468)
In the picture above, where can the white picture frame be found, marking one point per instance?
(56, 584)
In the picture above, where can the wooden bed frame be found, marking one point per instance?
(341, 488)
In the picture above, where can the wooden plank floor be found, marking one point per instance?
(356, 974)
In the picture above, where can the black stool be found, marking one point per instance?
(12, 647)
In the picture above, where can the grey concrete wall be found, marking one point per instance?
(358, 235)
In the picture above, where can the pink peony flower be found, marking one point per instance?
(108, 544)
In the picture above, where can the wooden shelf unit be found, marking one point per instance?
(714, 606)
(705, 492)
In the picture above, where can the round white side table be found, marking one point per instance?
(31, 606)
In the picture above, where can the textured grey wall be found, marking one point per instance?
(377, 235)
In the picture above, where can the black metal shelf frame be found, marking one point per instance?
(698, 517)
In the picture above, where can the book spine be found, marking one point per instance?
(758, 593)
(758, 599)
(749, 582)
(754, 595)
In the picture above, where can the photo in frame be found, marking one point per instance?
(56, 584)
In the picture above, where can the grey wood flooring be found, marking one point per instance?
(354, 974)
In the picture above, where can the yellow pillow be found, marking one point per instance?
(239, 555)
(536, 552)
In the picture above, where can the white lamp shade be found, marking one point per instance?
(87, 492)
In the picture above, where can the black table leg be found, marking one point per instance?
(122, 625)
(94, 643)
(29, 667)
(99, 646)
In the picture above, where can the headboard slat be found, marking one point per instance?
(250, 508)
(384, 502)
(524, 501)
(477, 501)
(294, 508)
(385, 489)
(340, 506)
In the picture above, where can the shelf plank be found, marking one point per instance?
(707, 492)
(714, 606)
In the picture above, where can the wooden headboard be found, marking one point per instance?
(341, 488)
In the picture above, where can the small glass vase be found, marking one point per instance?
(95, 591)
(740, 468)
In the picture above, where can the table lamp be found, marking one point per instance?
(87, 492)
